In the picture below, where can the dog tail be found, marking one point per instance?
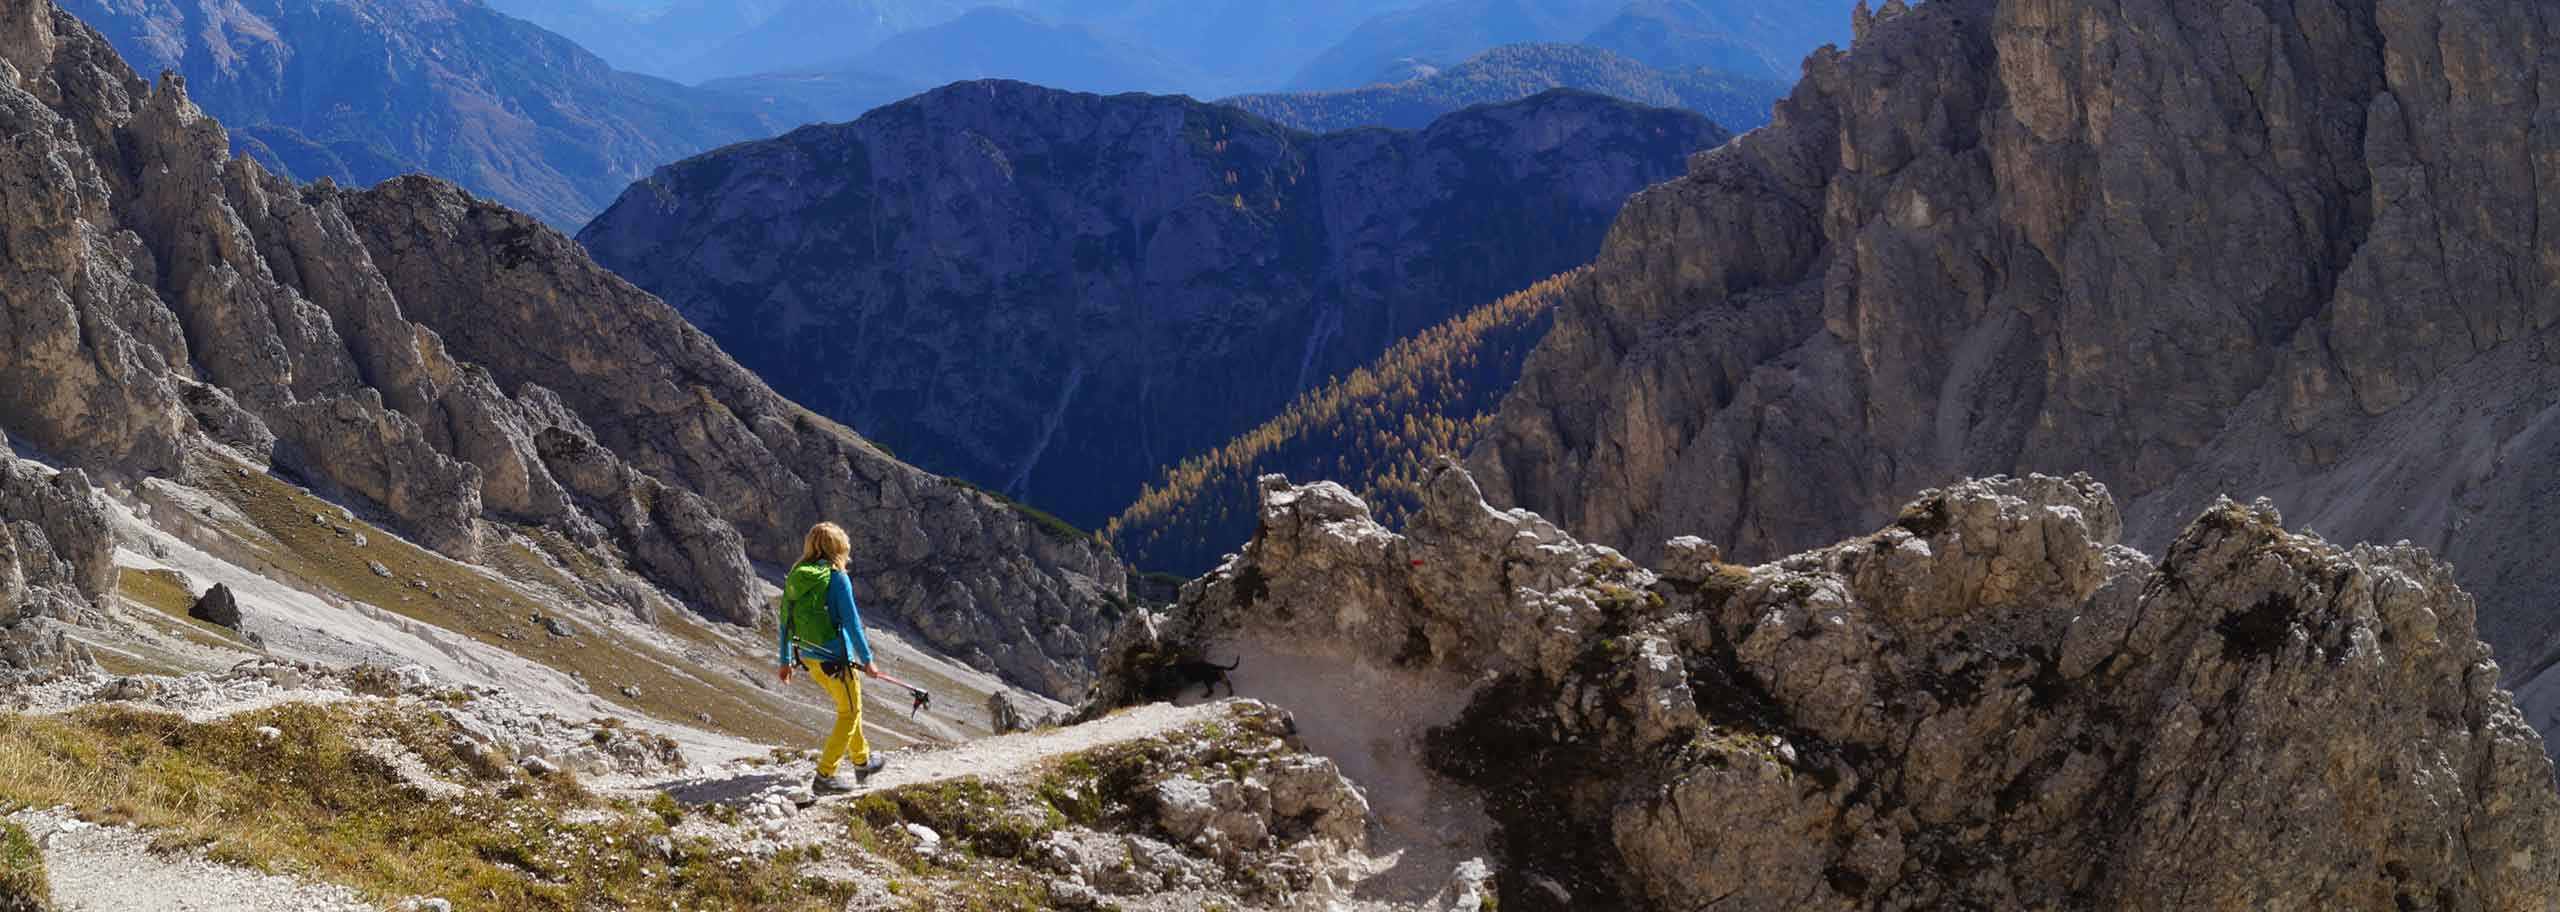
(1232, 666)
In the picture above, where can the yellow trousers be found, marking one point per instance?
(846, 740)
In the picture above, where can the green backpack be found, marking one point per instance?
(804, 605)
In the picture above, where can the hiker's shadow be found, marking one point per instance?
(734, 791)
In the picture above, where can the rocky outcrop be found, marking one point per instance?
(2279, 250)
(1990, 703)
(1055, 295)
(363, 90)
(57, 562)
(168, 297)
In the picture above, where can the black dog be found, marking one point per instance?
(1173, 679)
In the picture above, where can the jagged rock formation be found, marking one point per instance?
(1053, 294)
(1514, 71)
(363, 90)
(2298, 252)
(57, 561)
(1988, 704)
(449, 363)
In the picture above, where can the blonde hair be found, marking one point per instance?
(827, 544)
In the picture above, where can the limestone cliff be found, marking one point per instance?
(1055, 295)
(56, 563)
(448, 364)
(2297, 250)
(1990, 703)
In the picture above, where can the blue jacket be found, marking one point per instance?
(849, 643)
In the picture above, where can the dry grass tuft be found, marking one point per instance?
(23, 886)
(313, 802)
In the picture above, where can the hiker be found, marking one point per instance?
(822, 631)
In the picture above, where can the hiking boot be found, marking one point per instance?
(875, 764)
(827, 785)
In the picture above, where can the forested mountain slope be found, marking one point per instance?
(1054, 295)
(1376, 431)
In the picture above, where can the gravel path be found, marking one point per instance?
(1008, 757)
(112, 869)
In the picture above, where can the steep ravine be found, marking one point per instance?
(2299, 250)
(1990, 703)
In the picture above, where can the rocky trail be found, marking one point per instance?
(114, 869)
(999, 759)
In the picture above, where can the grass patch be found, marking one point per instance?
(972, 817)
(315, 803)
(160, 590)
(117, 663)
(1056, 529)
(986, 834)
(23, 886)
(165, 592)
(468, 601)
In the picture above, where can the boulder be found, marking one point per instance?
(1002, 717)
(217, 607)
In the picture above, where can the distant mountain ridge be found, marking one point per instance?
(990, 42)
(816, 94)
(1231, 44)
(1053, 294)
(1510, 72)
(361, 90)
(1736, 36)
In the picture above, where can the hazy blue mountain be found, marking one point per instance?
(1730, 35)
(1735, 36)
(1448, 31)
(992, 42)
(809, 33)
(1252, 44)
(617, 32)
(1234, 45)
(361, 90)
(819, 94)
(1517, 71)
